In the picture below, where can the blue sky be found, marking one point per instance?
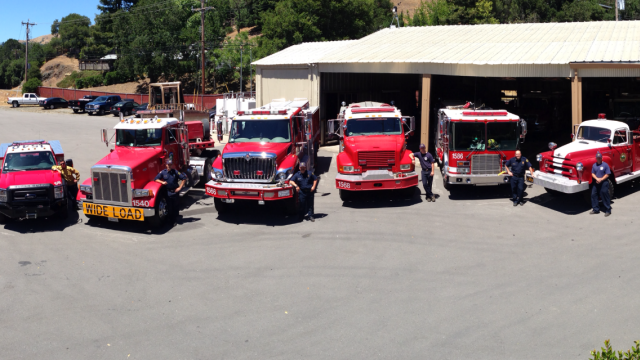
(42, 12)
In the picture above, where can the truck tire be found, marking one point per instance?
(221, 207)
(206, 173)
(345, 195)
(3, 219)
(101, 112)
(162, 212)
(587, 194)
(90, 113)
(75, 111)
(15, 104)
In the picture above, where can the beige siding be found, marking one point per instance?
(288, 83)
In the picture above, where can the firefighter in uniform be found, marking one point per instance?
(174, 181)
(516, 167)
(71, 177)
(426, 162)
(305, 183)
(600, 173)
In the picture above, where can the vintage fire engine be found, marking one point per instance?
(122, 186)
(567, 169)
(265, 147)
(28, 187)
(373, 149)
(473, 145)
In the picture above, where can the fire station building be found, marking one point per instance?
(553, 75)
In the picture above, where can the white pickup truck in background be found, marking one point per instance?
(26, 99)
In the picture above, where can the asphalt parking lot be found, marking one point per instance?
(467, 277)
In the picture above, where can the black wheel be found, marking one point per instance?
(3, 219)
(75, 111)
(161, 210)
(126, 113)
(51, 107)
(206, 173)
(101, 112)
(221, 207)
(90, 113)
(610, 189)
(15, 104)
(345, 195)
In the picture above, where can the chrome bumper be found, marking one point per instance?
(376, 175)
(470, 179)
(559, 183)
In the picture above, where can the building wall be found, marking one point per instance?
(287, 83)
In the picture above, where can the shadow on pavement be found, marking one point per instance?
(383, 198)
(250, 213)
(469, 192)
(41, 225)
(323, 165)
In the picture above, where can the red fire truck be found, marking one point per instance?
(28, 187)
(265, 147)
(473, 145)
(567, 169)
(122, 186)
(373, 149)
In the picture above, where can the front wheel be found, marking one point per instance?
(90, 113)
(75, 111)
(221, 207)
(15, 104)
(162, 212)
(101, 112)
(3, 219)
(345, 195)
(206, 173)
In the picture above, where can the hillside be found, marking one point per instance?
(44, 39)
(408, 6)
(54, 70)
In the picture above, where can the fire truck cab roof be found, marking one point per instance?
(142, 123)
(276, 109)
(370, 109)
(31, 145)
(479, 115)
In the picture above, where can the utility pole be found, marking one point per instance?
(202, 10)
(616, 1)
(26, 53)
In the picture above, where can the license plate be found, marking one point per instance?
(529, 178)
(283, 193)
(113, 219)
(115, 212)
(250, 193)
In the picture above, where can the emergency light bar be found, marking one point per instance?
(28, 142)
(262, 112)
(370, 110)
(484, 113)
(154, 111)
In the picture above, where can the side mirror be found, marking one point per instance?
(572, 136)
(219, 130)
(410, 121)
(307, 129)
(333, 127)
(105, 138)
(524, 129)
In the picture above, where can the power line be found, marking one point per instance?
(203, 9)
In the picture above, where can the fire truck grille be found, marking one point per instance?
(485, 164)
(109, 187)
(31, 195)
(376, 159)
(239, 168)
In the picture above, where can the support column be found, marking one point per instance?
(425, 106)
(576, 99)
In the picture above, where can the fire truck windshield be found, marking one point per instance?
(40, 160)
(467, 136)
(377, 126)
(594, 133)
(139, 137)
(275, 131)
(503, 135)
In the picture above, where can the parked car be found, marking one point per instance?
(140, 107)
(124, 107)
(26, 99)
(79, 105)
(102, 104)
(54, 103)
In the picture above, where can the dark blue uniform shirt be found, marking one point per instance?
(426, 160)
(518, 167)
(600, 170)
(304, 181)
(172, 177)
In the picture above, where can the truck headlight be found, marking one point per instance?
(58, 192)
(217, 174)
(579, 166)
(283, 175)
(347, 168)
(142, 193)
(3, 195)
(86, 189)
(538, 157)
(405, 167)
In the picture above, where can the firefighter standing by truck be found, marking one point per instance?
(426, 162)
(516, 167)
(305, 183)
(71, 177)
(174, 181)
(600, 173)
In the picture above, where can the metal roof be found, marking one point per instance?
(504, 44)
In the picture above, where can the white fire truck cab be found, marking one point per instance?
(473, 145)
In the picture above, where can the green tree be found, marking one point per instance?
(31, 85)
(74, 31)
(112, 6)
(229, 58)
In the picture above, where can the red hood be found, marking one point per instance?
(29, 177)
(280, 149)
(130, 156)
(374, 143)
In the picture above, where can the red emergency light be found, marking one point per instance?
(263, 112)
(602, 116)
(484, 113)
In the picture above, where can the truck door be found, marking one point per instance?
(634, 139)
(622, 156)
(172, 145)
